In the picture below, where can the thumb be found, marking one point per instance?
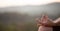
(44, 17)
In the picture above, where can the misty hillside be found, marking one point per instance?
(51, 8)
(21, 14)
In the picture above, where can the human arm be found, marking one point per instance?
(57, 22)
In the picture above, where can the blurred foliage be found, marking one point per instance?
(17, 22)
(13, 27)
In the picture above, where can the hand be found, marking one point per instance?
(38, 22)
(45, 21)
(42, 21)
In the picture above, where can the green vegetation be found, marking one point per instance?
(17, 22)
(14, 27)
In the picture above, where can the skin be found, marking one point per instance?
(42, 24)
(45, 24)
(57, 22)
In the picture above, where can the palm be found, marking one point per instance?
(46, 21)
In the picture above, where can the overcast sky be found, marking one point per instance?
(4, 3)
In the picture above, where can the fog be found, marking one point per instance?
(52, 8)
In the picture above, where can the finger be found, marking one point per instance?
(37, 20)
(44, 18)
(50, 19)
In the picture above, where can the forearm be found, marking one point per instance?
(51, 24)
(57, 22)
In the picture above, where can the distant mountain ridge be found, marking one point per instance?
(52, 9)
(34, 10)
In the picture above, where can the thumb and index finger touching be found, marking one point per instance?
(43, 18)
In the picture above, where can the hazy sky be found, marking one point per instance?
(4, 3)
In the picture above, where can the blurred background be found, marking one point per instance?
(20, 15)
